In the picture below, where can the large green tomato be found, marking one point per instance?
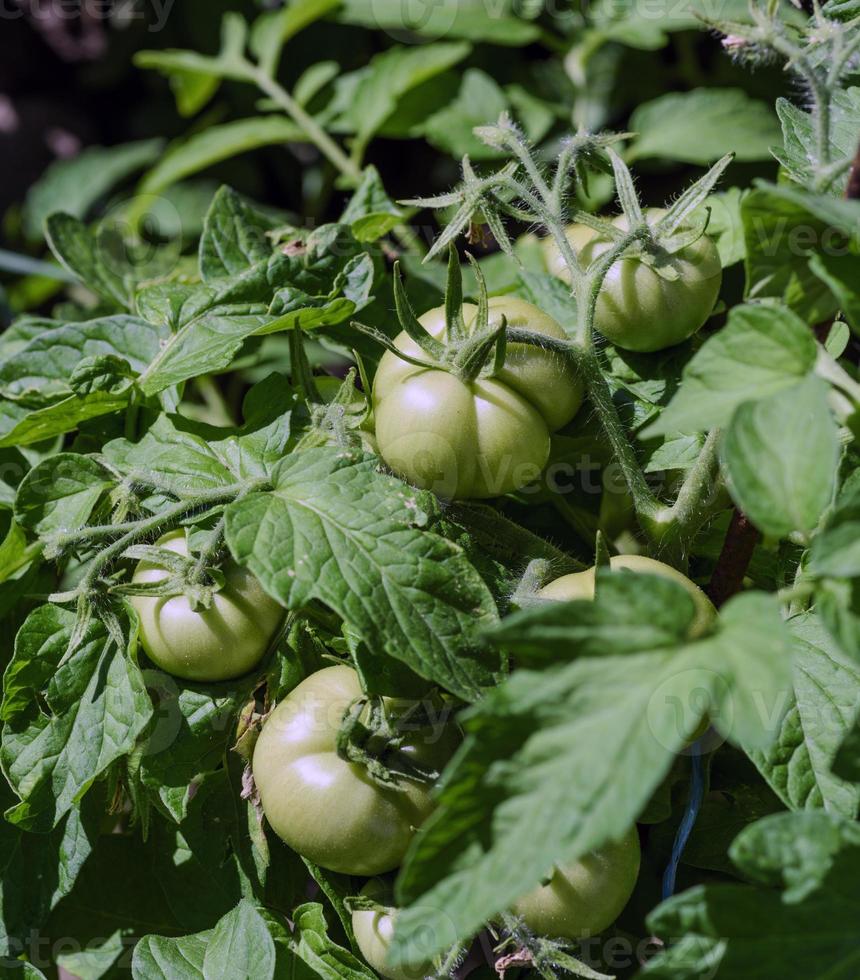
(481, 438)
(582, 899)
(638, 309)
(374, 932)
(581, 585)
(326, 808)
(215, 644)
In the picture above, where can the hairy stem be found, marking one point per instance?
(312, 129)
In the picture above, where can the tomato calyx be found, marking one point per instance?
(469, 351)
(364, 903)
(369, 737)
(199, 583)
(521, 948)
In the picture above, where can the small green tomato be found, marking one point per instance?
(584, 898)
(638, 309)
(205, 645)
(581, 585)
(374, 931)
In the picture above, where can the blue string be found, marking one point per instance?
(691, 813)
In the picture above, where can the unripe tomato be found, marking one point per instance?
(330, 810)
(207, 645)
(638, 309)
(479, 438)
(583, 898)
(374, 932)
(581, 585)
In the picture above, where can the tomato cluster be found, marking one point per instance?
(481, 437)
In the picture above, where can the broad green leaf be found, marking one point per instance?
(648, 28)
(703, 125)
(529, 787)
(240, 947)
(162, 958)
(800, 152)
(389, 76)
(822, 711)
(370, 212)
(42, 371)
(761, 350)
(76, 184)
(20, 426)
(479, 102)
(330, 277)
(15, 552)
(60, 493)
(780, 455)
(336, 530)
(235, 236)
(272, 30)
(846, 762)
(314, 947)
(179, 881)
(195, 456)
(469, 19)
(191, 732)
(836, 549)
(84, 254)
(98, 707)
(839, 274)
(784, 228)
(38, 870)
(728, 931)
(726, 225)
(217, 143)
(26, 328)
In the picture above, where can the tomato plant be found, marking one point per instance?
(219, 643)
(494, 309)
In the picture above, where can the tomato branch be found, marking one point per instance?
(735, 557)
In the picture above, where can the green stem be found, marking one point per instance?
(831, 370)
(312, 129)
(675, 526)
(346, 165)
(646, 504)
(131, 532)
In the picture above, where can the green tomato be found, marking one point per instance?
(584, 898)
(581, 585)
(330, 810)
(374, 931)
(206, 645)
(638, 309)
(481, 438)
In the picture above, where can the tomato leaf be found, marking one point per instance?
(809, 928)
(529, 788)
(98, 707)
(761, 350)
(822, 711)
(780, 455)
(336, 530)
